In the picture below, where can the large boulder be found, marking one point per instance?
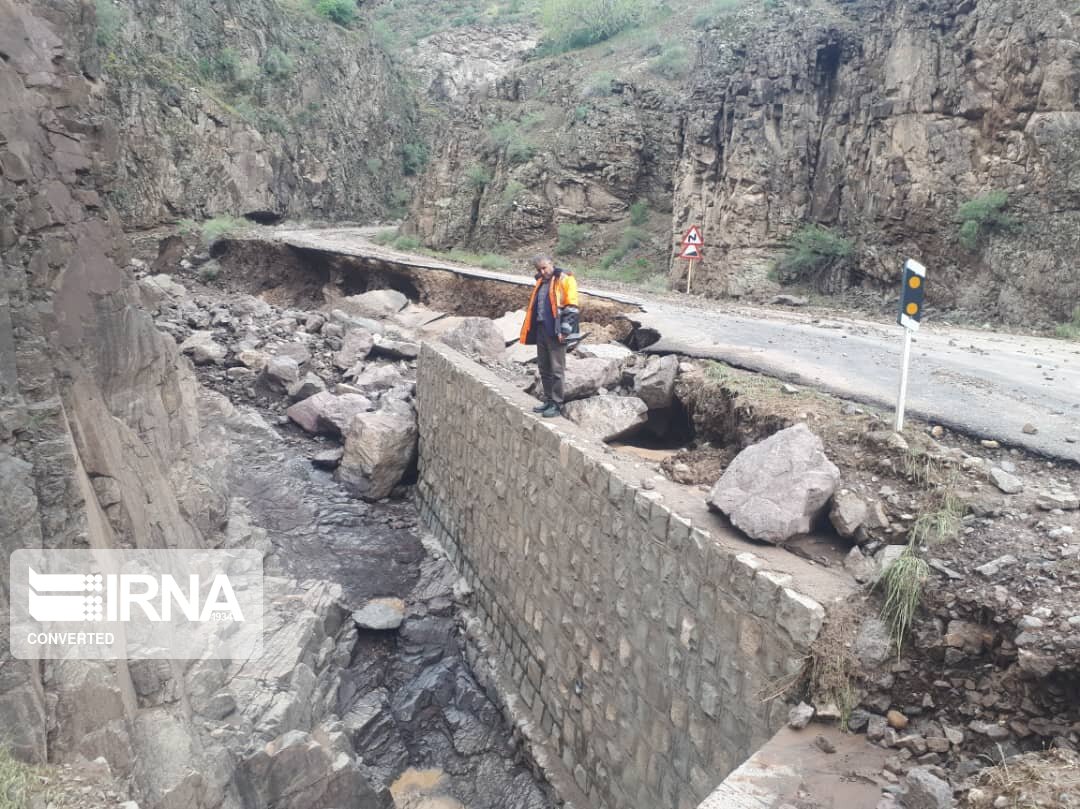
(654, 383)
(397, 345)
(509, 325)
(377, 304)
(848, 512)
(476, 335)
(308, 386)
(300, 770)
(604, 351)
(379, 448)
(348, 322)
(608, 417)
(326, 413)
(204, 349)
(280, 372)
(355, 346)
(415, 316)
(372, 379)
(775, 489)
(585, 376)
(298, 351)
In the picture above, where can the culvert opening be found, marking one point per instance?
(667, 431)
(263, 217)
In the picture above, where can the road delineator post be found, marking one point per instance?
(912, 294)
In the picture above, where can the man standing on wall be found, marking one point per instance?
(551, 319)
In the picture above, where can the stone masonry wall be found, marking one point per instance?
(641, 650)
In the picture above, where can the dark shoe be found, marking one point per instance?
(551, 411)
(540, 408)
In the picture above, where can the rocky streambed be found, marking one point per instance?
(382, 676)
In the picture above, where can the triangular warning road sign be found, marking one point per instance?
(693, 236)
(690, 251)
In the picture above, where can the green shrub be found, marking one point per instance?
(16, 782)
(209, 272)
(707, 16)
(903, 582)
(343, 12)
(468, 17)
(507, 135)
(1071, 329)
(384, 36)
(599, 85)
(374, 165)
(221, 227)
(385, 237)
(571, 238)
(110, 19)
(581, 113)
(399, 203)
(227, 67)
(639, 213)
(631, 239)
(406, 243)
(511, 193)
(494, 262)
(672, 63)
(477, 177)
(812, 251)
(414, 156)
(570, 24)
(277, 64)
(227, 64)
(982, 215)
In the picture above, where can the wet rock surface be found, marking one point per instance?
(405, 700)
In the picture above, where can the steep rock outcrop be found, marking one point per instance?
(255, 108)
(103, 444)
(879, 119)
(547, 143)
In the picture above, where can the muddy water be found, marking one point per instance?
(417, 718)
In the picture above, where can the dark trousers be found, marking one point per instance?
(551, 359)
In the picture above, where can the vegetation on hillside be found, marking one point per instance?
(570, 24)
(16, 782)
(983, 215)
(343, 12)
(110, 19)
(812, 251)
(400, 24)
(572, 237)
(1071, 329)
(210, 231)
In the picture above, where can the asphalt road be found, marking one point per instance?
(983, 383)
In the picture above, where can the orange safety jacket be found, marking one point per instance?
(562, 292)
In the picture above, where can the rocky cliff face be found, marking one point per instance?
(102, 446)
(540, 143)
(256, 108)
(879, 120)
(98, 439)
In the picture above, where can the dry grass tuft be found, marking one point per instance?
(1046, 780)
(16, 781)
(833, 667)
(942, 521)
(903, 582)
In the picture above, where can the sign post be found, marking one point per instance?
(911, 305)
(691, 251)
